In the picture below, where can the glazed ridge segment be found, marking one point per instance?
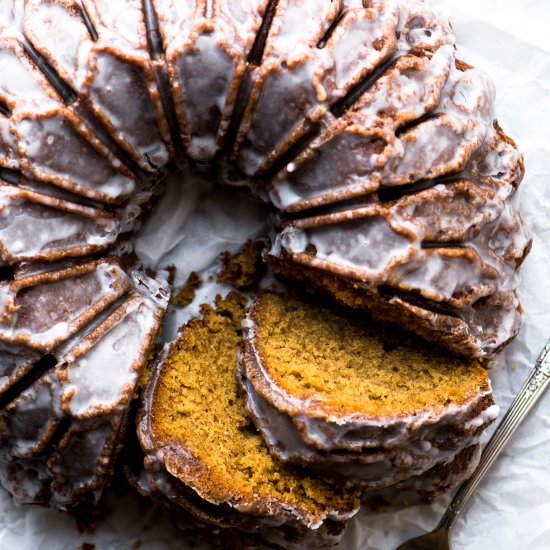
(38, 227)
(355, 117)
(207, 44)
(103, 56)
(41, 135)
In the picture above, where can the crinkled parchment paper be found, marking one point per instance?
(511, 511)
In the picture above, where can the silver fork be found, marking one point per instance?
(438, 539)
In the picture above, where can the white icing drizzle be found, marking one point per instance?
(173, 16)
(87, 393)
(11, 16)
(392, 248)
(35, 226)
(63, 33)
(122, 20)
(38, 401)
(297, 27)
(486, 416)
(91, 386)
(21, 87)
(441, 145)
(246, 15)
(14, 363)
(203, 94)
(358, 44)
(364, 39)
(66, 300)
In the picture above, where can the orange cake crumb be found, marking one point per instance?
(319, 353)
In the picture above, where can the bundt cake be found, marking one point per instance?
(393, 186)
(204, 460)
(353, 401)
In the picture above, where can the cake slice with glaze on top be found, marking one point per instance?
(356, 402)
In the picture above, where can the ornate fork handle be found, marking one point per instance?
(523, 403)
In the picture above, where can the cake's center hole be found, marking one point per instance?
(195, 220)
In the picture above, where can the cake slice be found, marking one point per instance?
(206, 462)
(354, 401)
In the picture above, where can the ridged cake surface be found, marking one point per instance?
(74, 338)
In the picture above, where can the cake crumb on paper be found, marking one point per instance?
(187, 292)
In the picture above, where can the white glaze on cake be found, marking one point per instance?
(89, 386)
(317, 72)
(41, 311)
(207, 45)
(112, 72)
(15, 362)
(35, 226)
(98, 322)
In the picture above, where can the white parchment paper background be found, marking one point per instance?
(511, 511)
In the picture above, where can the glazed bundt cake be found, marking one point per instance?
(393, 186)
(353, 401)
(204, 460)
